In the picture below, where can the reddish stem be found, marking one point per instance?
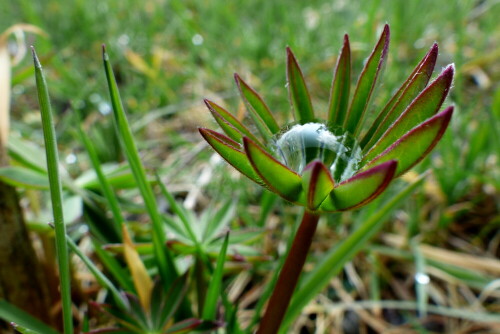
(289, 275)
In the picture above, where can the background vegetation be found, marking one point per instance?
(169, 55)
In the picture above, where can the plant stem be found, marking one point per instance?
(289, 275)
(50, 140)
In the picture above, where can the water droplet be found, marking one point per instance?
(422, 278)
(299, 144)
(197, 39)
(71, 158)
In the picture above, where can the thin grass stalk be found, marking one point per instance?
(49, 135)
(289, 275)
(103, 181)
(100, 277)
(164, 258)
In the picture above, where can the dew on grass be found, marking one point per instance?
(298, 144)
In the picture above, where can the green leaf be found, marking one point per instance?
(219, 219)
(341, 86)
(23, 330)
(333, 261)
(417, 81)
(166, 265)
(230, 151)
(360, 189)
(171, 303)
(52, 156)
(100, 277)
(104, 183)
(317, 183)
(184, 326)
(114, 267)
(27, 154)
(416, 144)
(423, 107)
(11, 313)
(276, 176)
(366, 84)
(22, 177)
(257, 108)
(231, 126)
(297, 90)
(214, 288)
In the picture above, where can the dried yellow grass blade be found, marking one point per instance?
(142, 282)
(472, 262)
(5, 73)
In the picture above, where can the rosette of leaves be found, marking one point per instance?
(157, 317)
(330, 164)
(335, 163)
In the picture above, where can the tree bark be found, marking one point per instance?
(21, 275)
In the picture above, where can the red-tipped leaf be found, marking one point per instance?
(341, 85)
(361, 188)
(231, 152)
(298, 92)
(417, 81)
(417, 143)
(317, 182)
(366, 83)
(423, 107)
(278, 178)
(257, 108)
(230, 124)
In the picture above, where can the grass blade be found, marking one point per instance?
(11, 313)
(164, 258)
(49, 135)
(335, 259)
(100, 277)
(103, 181)
(214, 289)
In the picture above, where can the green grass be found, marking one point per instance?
(169, 55)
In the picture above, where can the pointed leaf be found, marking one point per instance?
(184, 326)
(11, 313)
(257, 108)
(142, 282)
(417, 143)
(361, 188)
(214, 288)
(170, 304)
(231, 126)
(297, 90)
(366, 83)
(55, 183)
(417, 81)
(341, 85)
(231, 152)
(22, 177)
(164, 258)
(423, 107)
(317, 183)
(277, 176)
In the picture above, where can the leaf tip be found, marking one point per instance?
(35, 57)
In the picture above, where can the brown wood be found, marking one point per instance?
(21, 275)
